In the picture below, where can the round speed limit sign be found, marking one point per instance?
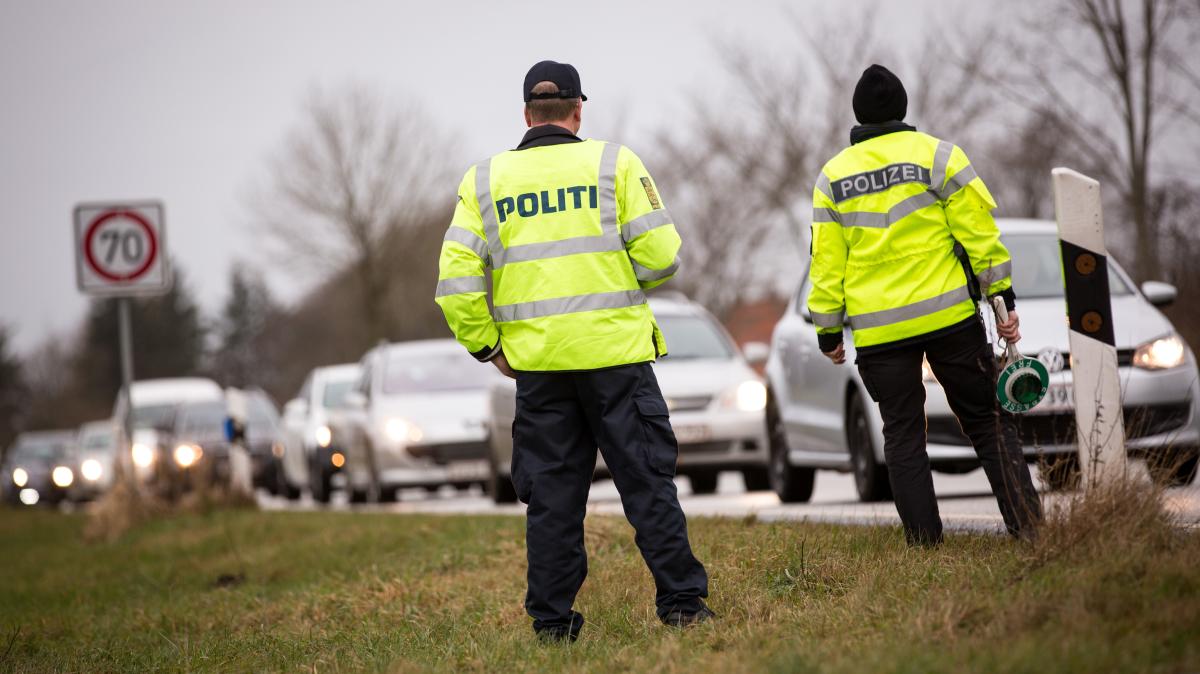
(119, 249)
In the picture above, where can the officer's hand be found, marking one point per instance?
(838, 355)
(501, 364)
(1010, 330)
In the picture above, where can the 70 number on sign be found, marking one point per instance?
(120, 245)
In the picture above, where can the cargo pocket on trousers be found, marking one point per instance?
(520, 482)
(659, 440)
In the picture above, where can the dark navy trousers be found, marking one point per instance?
(561, 419)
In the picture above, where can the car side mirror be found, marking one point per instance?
(756, 353)
(355, 400)
(1159, 294)
(295, 407)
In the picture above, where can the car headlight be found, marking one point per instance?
(29, 496)
(187, 455)
(324, 436)
(142, 455)
(399, 430)
(277, 449)
(927, 372)
(749, 396)
(1161, 354)
(62, 476)
(20, 477)
(91, 470)
(337, 459)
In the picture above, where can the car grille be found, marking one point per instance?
(1124, 358)
(688, 403)
(1059, 429)
(452, 451)
(719, 447)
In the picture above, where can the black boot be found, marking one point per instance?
(687, 618)
(560, 633)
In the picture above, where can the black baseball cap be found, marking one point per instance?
(562, 74)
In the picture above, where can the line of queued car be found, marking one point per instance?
(425, 415)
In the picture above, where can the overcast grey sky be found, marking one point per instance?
(185, 101)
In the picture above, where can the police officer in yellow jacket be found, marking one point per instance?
(574, 233)
(902, 235)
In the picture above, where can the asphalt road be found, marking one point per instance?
(965, 502)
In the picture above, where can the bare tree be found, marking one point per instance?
(1113, 69)
(356, 172)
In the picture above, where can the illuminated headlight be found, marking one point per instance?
(277, 449)
(187, 455)
(20, 477)
(324, 436)
(1161, 354)
(62, 476)
(142, 455)
(29, 496)
(337, 459)
(927, 372)
(749, 396)
(399, 430)
(91, 470)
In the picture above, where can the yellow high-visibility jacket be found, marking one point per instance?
(573, 233)
(886, 214)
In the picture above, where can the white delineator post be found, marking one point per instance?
(1098, 410)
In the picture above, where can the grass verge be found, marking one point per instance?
(239, 590)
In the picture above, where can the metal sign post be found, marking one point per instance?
(1098, 411)
(119, 252)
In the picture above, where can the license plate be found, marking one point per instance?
(692, 433)
(1059, 398)
(467, 470)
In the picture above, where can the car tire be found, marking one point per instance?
(704, 482)
(756, 479)
(1060, 472)
(792, 484)
(500, 487)
(1174, 468)
(320, 482)
(870, 476)
(282, 486)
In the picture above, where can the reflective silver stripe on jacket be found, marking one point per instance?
(646, 274)
(957, 182)
(469, 239)
(992, 274)
(569, 305)
(875, 319)
(826, 215)
(871, 219)
(823, 184)
(941, 159)
(830, 320)
(459, 285)
(608, 240)
(640, 225)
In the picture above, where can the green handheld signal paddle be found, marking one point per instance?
(1024, 381)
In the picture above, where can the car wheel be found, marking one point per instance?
(498, 486)
(792, 484)
(704, 482)
(870, 476)
(1060, 472)
(1174, 468)
(756, 479)
(320, 482)
(282, 486)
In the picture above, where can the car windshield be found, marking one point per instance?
(94, 441)
(39, 450)
(430, 372)
(1037, 267)
(335, 392)
(261, 413)
(202, 420)
(693, 337)
(161, 417)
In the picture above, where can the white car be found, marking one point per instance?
(313, 456)
(715, 399)
(416, 419)
(152, 419)
(820, 417)
(95, 457)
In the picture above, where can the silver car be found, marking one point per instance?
(313, 454)
(715, 399)
(415, 419)
(820, 416)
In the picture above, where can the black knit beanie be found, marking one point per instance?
(879, 97)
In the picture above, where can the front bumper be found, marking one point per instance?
(1160, 410)
(719, 439)
(443, 461)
